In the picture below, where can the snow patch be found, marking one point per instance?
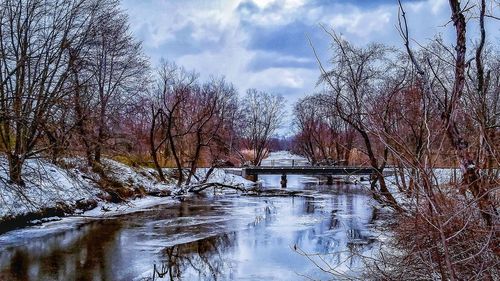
(50, 186)
(46, 186)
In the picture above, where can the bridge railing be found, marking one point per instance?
(266, 163)
(284, 163)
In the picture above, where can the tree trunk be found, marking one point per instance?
(469, 167)
(176, 158)
(194, 161)
(80, 117)
(101, 131)
(98, 143)
(55, 147)
(15, 169)
(153, 148)
(379, 173)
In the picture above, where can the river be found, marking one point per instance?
(211, 237)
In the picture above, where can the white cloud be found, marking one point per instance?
(361, 23)
(233, 58)
(222, 25)
(274, 12)
(437, 6)
(284, 4)
(233, 63)
(162, 19)
(283, 77)
(293, 4)
(230, 61)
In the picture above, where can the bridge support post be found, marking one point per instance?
(252, 177)
(283, 181)
(329, 180)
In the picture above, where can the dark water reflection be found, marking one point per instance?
(216, 238)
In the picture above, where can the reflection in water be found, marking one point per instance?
(217, 238)
(71, 255)
(204, 258)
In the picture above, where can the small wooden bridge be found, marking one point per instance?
(286, 167)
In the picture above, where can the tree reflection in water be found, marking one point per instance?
(75, 254)
(205, 257)
(341, 253)
(213, 238)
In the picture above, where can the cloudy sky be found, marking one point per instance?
(263, 43)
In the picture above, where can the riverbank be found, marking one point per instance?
(71, 188)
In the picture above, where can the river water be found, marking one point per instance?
(211, 237)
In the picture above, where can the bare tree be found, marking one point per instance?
(472, 179)
(117, 76)
(35, 40)
(450, 229)
(213, 107)
(192, 123)
(355, 81)
(173, 87)
(262, 114)
(322, 136)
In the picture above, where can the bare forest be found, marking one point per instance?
(76, 83)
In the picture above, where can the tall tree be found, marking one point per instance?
(354, 82)
(322, 136)
(173, 86)
(453, 95)
(262, 115)
(117, 72)
(35, 41)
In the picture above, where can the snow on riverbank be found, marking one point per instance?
(46, 186)
(220, 176)
(52, 187)
(108, 209)
(58, 225)
(440, 176)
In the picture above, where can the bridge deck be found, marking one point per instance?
(307, 170)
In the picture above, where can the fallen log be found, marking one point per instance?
(271, 192)
(253, 191)
(200, 187)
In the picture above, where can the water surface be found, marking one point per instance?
(212, 237)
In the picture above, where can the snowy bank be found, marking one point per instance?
(46, 186)
(73, 188)
(51, 190)
(220, 176)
